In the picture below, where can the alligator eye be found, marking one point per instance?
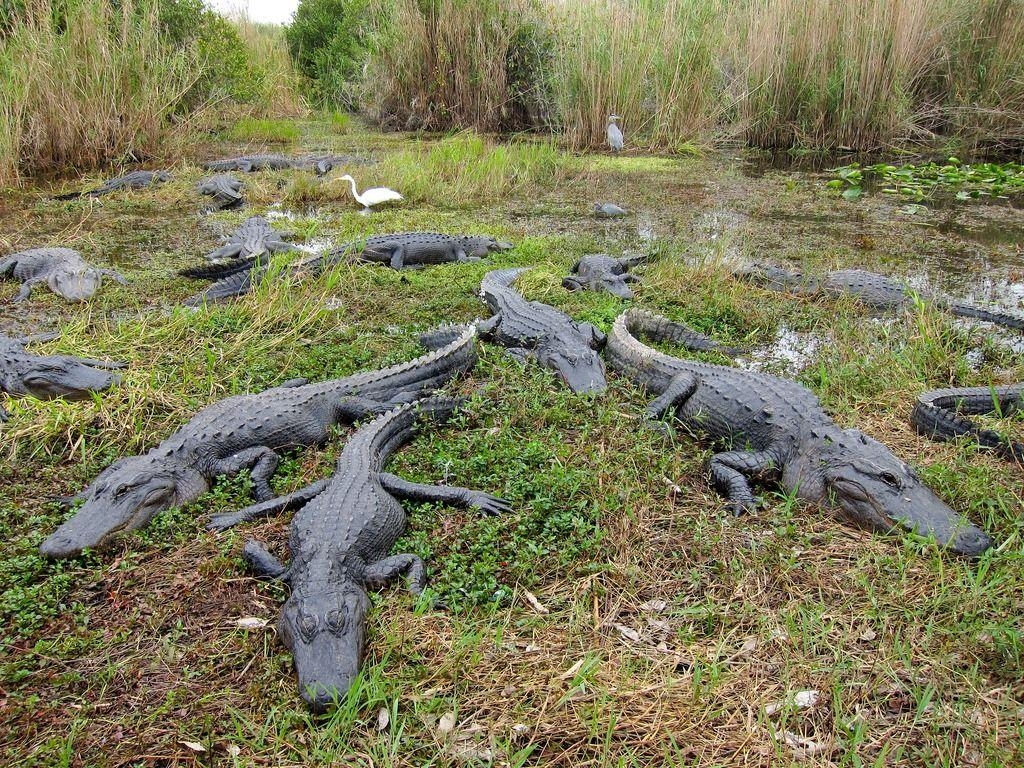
(337, 621)
(308, 625)
(890, 479)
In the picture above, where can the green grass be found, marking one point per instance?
(668, 628)
(264, 130)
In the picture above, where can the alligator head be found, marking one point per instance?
(326, 633)
(876, 490)
(52, 376)
(126, 496)
(75, 284)
(481, 246)
(581, 369)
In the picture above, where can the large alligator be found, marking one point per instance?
(132, 180)
(225, 189)
(340, 542)
(531, 329)
(941, 415)
(398, 249)
(601, 272)
(779, 428)
(872, 289)
(246, 431)
(63, 269)
(253, 239)
(50, 376)
(320, 164)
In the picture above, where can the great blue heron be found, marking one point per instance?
(373, 196)
(615, 140)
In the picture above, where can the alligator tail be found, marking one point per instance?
(642, 323)
(390, 431)
(234, 285)
(997, 316)
(938, 415)
(218, 271)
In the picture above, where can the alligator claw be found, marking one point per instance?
(490, 505)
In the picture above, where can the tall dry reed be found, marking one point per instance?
(281, 84)
(87, 84)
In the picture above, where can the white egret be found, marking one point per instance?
(372, 196)
(615, 140)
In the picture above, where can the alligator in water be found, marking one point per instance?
(340, 542)
(941, 415)
(874, 290)
(225, 189)
(63, 269)
(531, 329)
(246, 431)
(780, 429)
(320, 164)
(601, 272)
(49, 376)
(133, 180)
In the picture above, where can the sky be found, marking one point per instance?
(269, 11)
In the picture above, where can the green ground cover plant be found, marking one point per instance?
(926, 181)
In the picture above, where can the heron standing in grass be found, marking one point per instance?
(615, 140)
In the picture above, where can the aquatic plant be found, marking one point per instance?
(925, 181)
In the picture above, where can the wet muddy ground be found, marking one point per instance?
(619, 616)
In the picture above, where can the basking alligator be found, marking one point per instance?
(224, 188)
(246, 431)
(780, 429)
(940, 415)
(600, 272)
(532, 329)
(608, 211)
(253, 238)
(340, 542)
(63, 269)
(321, 164)
(874, 290)
(49, 376)
(133, 180)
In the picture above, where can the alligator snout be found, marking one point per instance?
(57, 546)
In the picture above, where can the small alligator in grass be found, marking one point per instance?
(775, 427)
(941, 415)
(608, 211)
(247, 431)
(133, 180)
(874, 290)
(63, 269)
(601, 272)
(50, 376)
(253, 238)
(320, 164)
(531, 329)
(225, 189)
(340, 542)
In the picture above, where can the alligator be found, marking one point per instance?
(601, 272)
(340, 540)
(531, 329)
(872, 289)
(133, 180)
(63, 269)
(50, 376)
(779, 428)
(941, 415)
(320, 164)
(608, 211)
(224, 188)
(247, 431)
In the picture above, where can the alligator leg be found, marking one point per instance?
(597, 337)
(398, 258)
(26, 289)
(730, 472)
(489, 326)
(116, 275)
(383, 571)
(265, 564)
(352, 409)
(678, 391)
(262, 462)
(572, 284)
(267, 508)
(461, 497)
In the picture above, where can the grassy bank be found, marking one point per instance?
(619, 616)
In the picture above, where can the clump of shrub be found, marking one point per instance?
(327, 40)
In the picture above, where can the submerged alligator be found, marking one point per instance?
(941, 415)
(532, 329)
(50, 376)
(340, 542)
(784, 432)
(63, 269)
(132, 180)
(320, 164)
(397, 249)
(874, 290)
(247, 431)
(601, 272)
(225, 189)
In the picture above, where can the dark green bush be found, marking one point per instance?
(327, 41)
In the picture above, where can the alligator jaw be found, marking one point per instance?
(77, 285)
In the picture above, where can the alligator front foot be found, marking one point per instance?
(730, 471)
(267, 508)
(383, 571)
(678, 391)
(262, 562)
(445, 494)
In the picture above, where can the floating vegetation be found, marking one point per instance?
(924, 182)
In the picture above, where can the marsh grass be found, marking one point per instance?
(264, 130)
(97, 88)
(281, 86)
